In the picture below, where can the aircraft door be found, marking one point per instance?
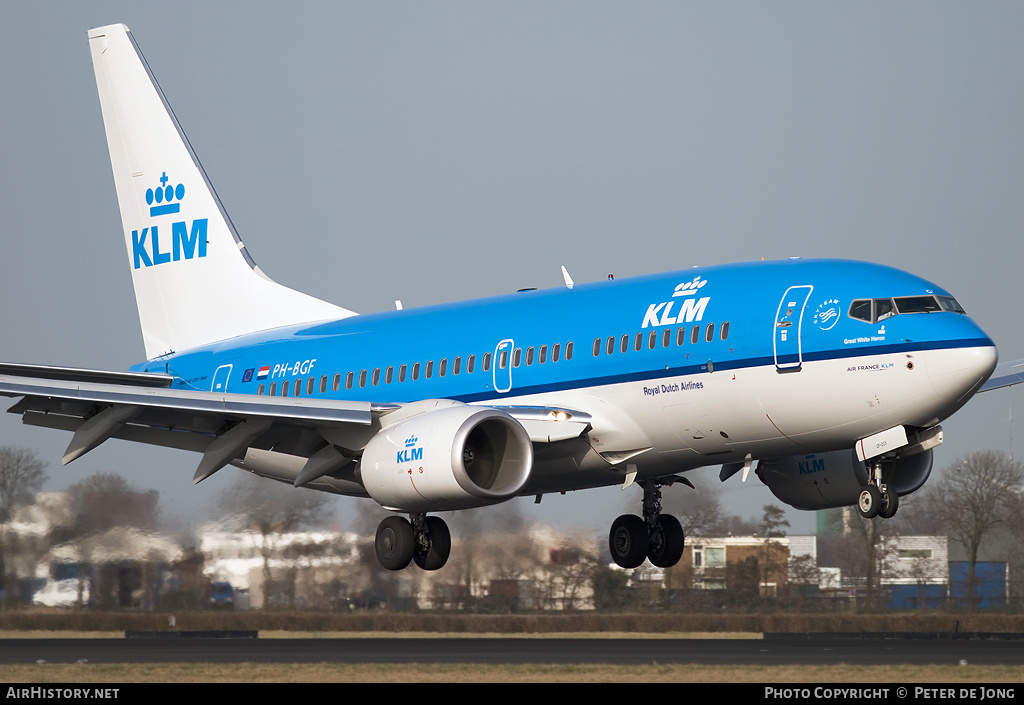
(788, 320)
(502, 369)
(220, 379)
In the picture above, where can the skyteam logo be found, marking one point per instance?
(187, 241)
(827, 314)
(691, 308)
(411, 452)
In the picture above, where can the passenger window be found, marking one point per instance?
(695, 334)
(611, 345)
(284, 388)
(415, 371)
(259, 392)
(401, 373)
(542, 354)
(554, 352)
(652, 339)
(456, 364)
(336, 382)
(389, 374)
(624, 343)
(681, 336)
(725, 330)
(666, 338)
(503, 359)
(710, 334)
(517, 357)
(568, 350)
(442, 367)
(311, 385)
(487, 361)
(362, 379)
(597, 347)
(376, 376)
(638, 341)
(529, 356)
(429, 369)
(273, 389)
(348, 380)
(470, 363)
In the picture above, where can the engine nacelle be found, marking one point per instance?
(826, 480)
(454, 457)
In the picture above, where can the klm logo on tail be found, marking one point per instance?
(186, 242)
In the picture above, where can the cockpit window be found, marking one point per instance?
(884, 309)
(917, 304)
(948, 303)
(874, 310)
(861, 310)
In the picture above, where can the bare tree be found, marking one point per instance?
(977, 496)
(857, 547)
(700, 513)
(271, 509)
(773, 559)
(105, 500)
(22, 474)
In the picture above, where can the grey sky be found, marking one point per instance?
(432, 152)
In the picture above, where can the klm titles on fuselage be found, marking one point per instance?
(690, 310)
(187, 241)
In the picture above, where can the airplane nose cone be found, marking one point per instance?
(957, 373)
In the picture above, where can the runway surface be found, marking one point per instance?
(515, 651)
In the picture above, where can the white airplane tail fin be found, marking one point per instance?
(195, 283)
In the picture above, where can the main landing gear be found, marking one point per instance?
(657, 536)
(877, 498)
(424, 540)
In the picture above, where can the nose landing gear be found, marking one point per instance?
(877, 498)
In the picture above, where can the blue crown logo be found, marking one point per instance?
(410, 441)
(688, 288)
(166, 197)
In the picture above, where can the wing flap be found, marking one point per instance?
(221, 426)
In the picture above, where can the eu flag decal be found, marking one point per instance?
(247, 377)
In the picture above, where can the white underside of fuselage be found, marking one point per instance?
(675, 424)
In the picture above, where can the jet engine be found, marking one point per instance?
(454, 457)
(826, 480)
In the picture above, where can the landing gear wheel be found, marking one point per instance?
(666, 542)
(395, 543)
(890, 502)
(439, 545)
(870, 502)
(628, 541)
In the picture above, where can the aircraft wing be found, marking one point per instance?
(1006, 374)
(96, 405)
